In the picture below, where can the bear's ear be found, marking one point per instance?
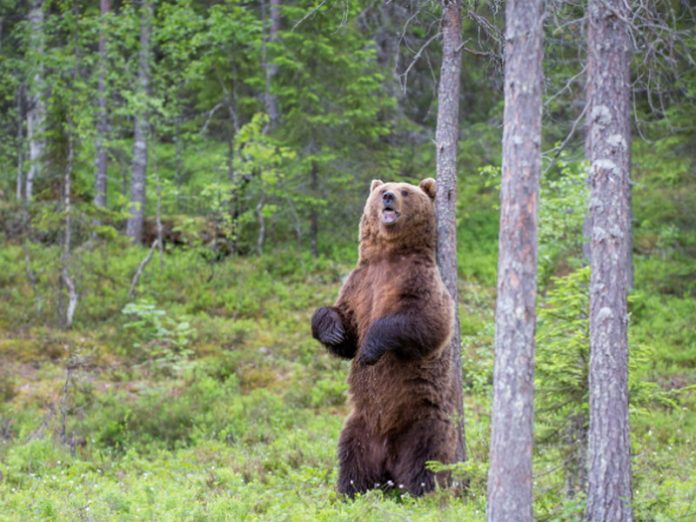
(375, 183)
(429, 186)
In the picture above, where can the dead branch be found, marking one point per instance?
(141, 268)
(211, 113)
(31, 275)
(310, 13)
(566, 86)
(403, 77)
(556, 151)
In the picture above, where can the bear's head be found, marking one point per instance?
(398, 217)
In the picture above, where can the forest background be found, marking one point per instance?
(175, 378)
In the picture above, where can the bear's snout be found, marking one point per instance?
(388, 198)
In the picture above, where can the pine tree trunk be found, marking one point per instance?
(36, 109)
(100, 181)
(134, 228)
(446, 139)
(510, 473)
(609, 146)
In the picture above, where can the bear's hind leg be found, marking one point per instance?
(423, 441)
(361, 459)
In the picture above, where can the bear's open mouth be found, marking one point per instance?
(389, 215)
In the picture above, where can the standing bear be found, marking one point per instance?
(394, 318)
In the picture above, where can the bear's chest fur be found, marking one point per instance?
(388, 286)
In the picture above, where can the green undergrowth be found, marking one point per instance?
(203, 397)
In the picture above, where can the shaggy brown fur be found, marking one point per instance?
(394, 318)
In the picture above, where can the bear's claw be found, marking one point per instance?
(327, 327)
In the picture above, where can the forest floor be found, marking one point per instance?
(206, 398)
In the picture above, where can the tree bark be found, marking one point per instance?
(19, 97)
(237, 182)
(609, 148)
(36, 108)
(271, 100)
(261, 238)
(100, 181)
(510, 473)
(313, 213)
(575, 458)
(178, 161)
(67, 233)
(134, 228)
(446, 139)
(158, 214)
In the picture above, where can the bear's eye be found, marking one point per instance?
(405, 193)
(381, 192)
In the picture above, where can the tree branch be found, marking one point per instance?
(141, 268)
(403, 77)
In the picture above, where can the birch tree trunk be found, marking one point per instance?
(100, 181)
(36, 108)
(510, 473)
(446, 138)
(65, 257)
(609, 146)
(67, 233)
(134, 228)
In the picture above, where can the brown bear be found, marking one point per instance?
(394, 318)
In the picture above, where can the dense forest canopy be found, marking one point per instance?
(353, 86)
(181, 183)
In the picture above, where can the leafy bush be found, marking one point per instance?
(161, 340)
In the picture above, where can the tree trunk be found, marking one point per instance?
(609, 148)
(67, 234)
(67, 205)
(178, 162)
(510, 473)
(446, 139)
(134, 228)
(100, 181)
(160, 240)
(575, 457)
(261, 238)
(236, 182)
(314, 215)
(393, 17)
(271, 100)
(19, 97)
(36, 109)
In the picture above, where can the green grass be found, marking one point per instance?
(118, 420)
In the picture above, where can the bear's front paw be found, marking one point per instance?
(327, 327)
(370, 354)
(368, 359)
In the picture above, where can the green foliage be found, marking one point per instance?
(161, 340)
(562, 210)
(256, 411)
(562, 207)
(562, 357)
(204, 397)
